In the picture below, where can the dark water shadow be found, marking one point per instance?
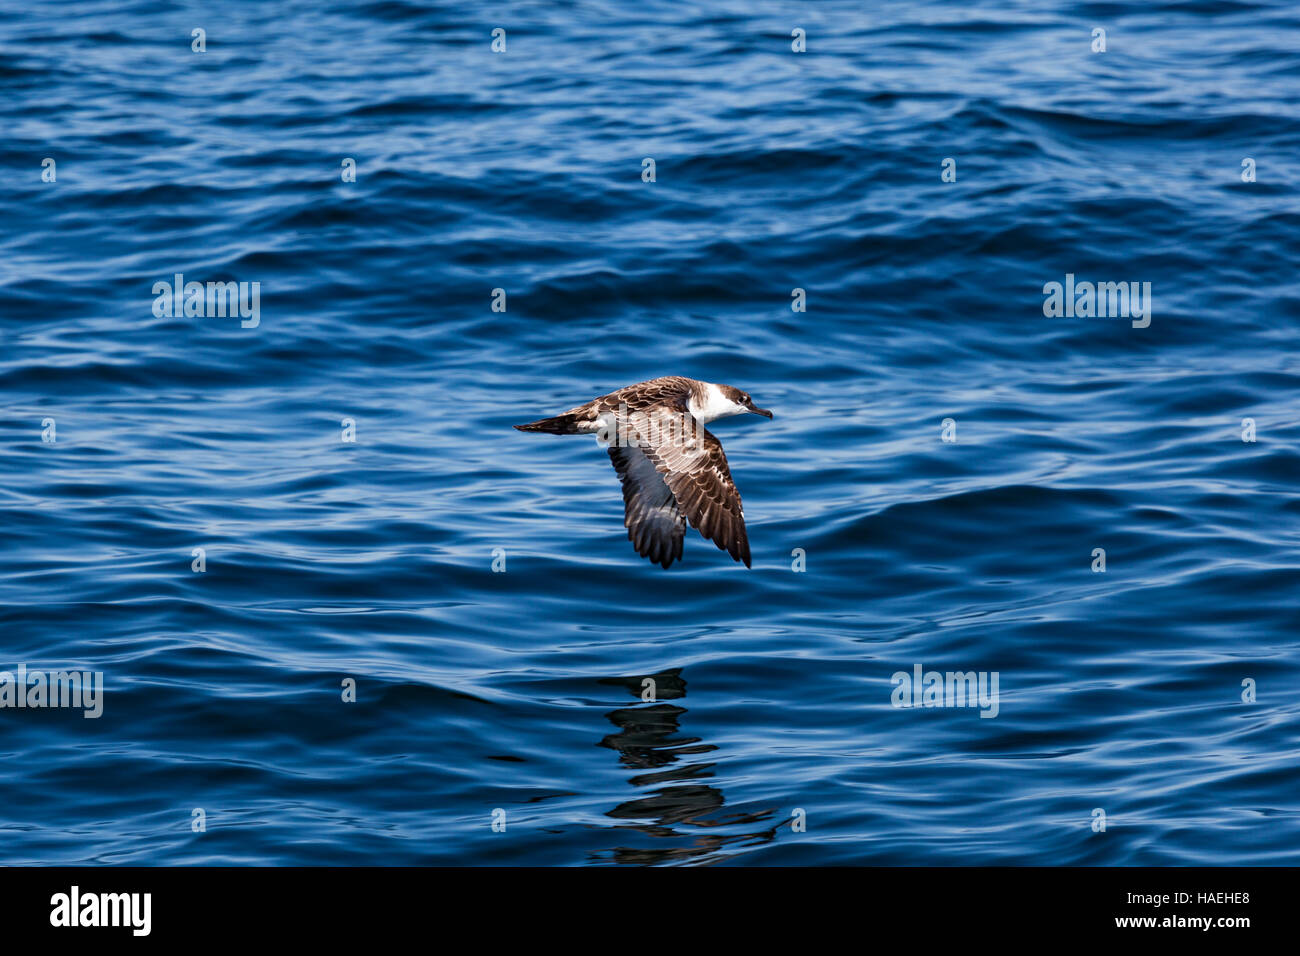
(679, 808)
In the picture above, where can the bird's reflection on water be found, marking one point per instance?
(679, 808)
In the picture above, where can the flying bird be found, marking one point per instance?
(672, 468)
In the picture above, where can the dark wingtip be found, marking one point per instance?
(738, 555)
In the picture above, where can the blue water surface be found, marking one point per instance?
(772, 737)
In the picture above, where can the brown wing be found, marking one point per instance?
(694, 467)
(654, 523)
(671, 390)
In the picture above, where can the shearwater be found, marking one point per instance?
(672, 468)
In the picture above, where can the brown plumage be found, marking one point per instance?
(673, 470)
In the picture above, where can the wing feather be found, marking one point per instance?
(654, 523)
(694, 468)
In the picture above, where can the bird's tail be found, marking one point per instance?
(566, 424)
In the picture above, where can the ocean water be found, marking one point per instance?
(1159, 694)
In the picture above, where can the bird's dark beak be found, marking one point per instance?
(759, 411)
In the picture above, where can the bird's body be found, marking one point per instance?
(672, 468)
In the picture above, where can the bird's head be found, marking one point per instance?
(735, 401)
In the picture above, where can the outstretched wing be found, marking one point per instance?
(696, 471)
(654, 524)
(694, 467)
